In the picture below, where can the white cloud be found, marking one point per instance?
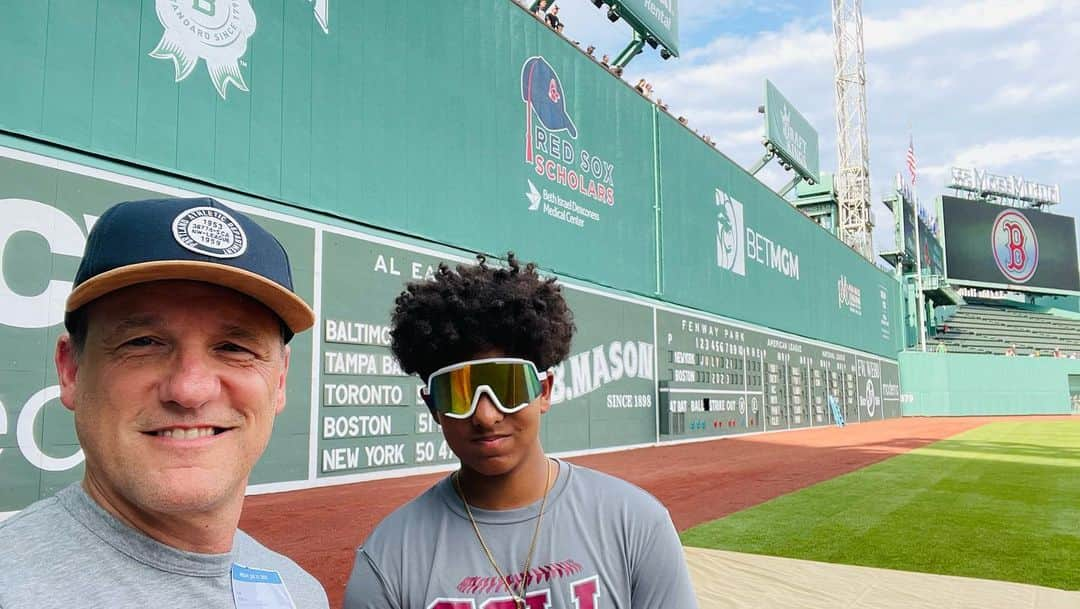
(1028, 95)
(986, 80)
(1024, 53)
(1005, 153)
(938, 19)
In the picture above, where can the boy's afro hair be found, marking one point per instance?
(470, 310)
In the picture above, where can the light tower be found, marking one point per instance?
(852, 141)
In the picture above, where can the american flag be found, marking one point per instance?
(911, 164)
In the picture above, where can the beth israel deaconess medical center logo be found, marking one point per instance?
(1015, 246)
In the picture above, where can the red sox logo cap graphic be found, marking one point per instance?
(543, 93)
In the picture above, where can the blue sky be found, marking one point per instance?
(985, 83)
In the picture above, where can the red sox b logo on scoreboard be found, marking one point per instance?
(1015, 246)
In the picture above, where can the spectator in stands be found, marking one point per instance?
(648, 89)
(941, 348)
(589, 50)
(661, 104)
(617, 71)
(1058, 353)
(1034, 353)
(604, 61)
(540, 9)
(683, 121)
(640, 86)
(552, 18)
(1010, 351)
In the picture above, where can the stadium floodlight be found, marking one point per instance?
(653, 42)
(612, 14)
(598, 3)
(665, 54)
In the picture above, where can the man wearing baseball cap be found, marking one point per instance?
(174, 364)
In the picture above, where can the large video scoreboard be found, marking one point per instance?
(1009, 248)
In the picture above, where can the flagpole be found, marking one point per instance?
(918, 273)
(920, 298)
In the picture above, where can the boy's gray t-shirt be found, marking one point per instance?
(66, 551)
(604, 544)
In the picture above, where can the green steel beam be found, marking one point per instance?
(632, 50)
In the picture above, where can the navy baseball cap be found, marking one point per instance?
(540, 87)
(195, 239)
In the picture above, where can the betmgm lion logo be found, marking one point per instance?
(1015, 246)
(730, 249)
(216, 31)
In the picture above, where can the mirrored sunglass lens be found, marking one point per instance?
(452, 391)
(515, 385)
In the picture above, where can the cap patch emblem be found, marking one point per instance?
(209, 231)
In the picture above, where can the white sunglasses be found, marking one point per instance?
(511, 383)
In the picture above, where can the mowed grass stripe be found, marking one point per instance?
(1000, 502)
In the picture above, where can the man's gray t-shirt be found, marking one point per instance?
(603, 544)
(66, 551)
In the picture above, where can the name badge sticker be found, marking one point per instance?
(259, 589)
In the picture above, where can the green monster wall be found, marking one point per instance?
(635, 365)
(400, 135)
(468, 124)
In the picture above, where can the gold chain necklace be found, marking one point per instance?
(519, 596)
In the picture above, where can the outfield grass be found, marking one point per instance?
(1000, 502)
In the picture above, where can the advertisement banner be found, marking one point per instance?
(791, 135)
(514, 141)
(731, 246)
(1009, 248)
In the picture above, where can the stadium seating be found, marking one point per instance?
(991, 327)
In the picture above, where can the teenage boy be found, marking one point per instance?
(513, 528)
